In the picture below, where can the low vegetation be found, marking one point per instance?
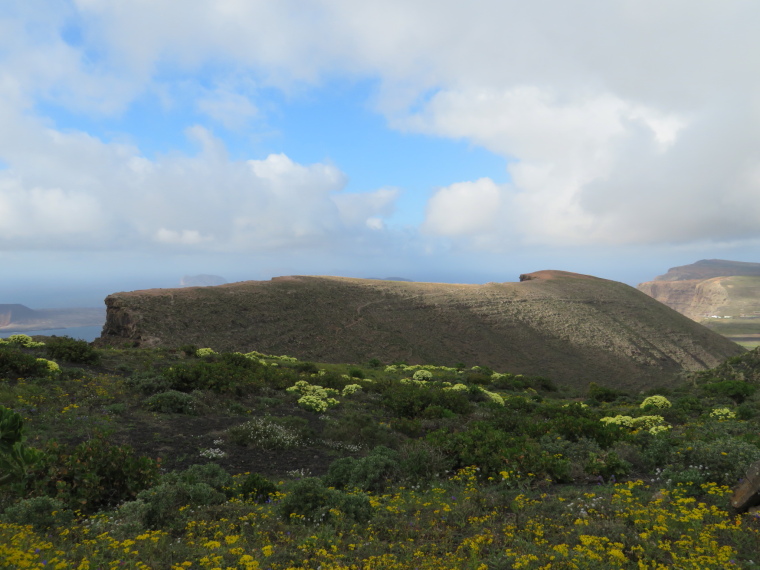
(188, 458)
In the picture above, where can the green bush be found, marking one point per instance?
(421, 462)
(737, 390)
(306, 368)
(148, 383)
(71, 350)
(359, 429)
(309, 501)
(159, 507)
(607, 465)
(16, 459)
(599, 394)
(15, 364)
(42, 513)
(724, 460)
(94, 475)
(371, 473)
(228, 373)
(258, 488)
(410, 400)
(172, 402)
(493, 450)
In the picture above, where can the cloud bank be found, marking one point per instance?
(621, 123)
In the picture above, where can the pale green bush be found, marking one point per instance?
(660, 402)
(351, 389)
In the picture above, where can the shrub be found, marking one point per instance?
(306, 368)
(350, 389)
(160, 507)
(722, 414)
(308, 500)
(265, 434)
(737, 390)
(72, 350)
(40, 512)
(370, 473)
(209, 474)
(148, 383)
(24, 341)
(659, 402)
(205, 352)
(15, 364)
(313, 398)
(94, 475)
(172, 402)
(420, 461)
(16, 460)
(410, 400)
(600, 394)
(231, 373)
(258, 488)
(188, 349)
(358, 428)
(607, 465)
(723, 461)
(422, 375)
(356, 373)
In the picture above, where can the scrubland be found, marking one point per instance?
(189, 458)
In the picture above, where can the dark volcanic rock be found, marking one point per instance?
(572, 328)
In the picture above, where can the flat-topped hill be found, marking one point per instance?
(709, 268)
(722, 295)
(572, 328)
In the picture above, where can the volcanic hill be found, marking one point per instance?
(722, 295)
(571, 328)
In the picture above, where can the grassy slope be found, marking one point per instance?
(571, 327)
(668, 514)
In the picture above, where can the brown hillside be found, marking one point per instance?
(572, 328)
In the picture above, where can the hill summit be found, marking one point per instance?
(572, 328)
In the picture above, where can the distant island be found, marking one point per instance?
(20, 318)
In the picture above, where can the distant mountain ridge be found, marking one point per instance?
(723, 295)
(709, 268)
(572, 328)
(20, 318)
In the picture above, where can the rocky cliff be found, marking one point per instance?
(572, 328)
(723, 288)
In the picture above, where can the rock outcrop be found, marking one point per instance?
(572, 328)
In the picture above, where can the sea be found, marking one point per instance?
(84, 333)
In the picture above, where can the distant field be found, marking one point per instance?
(743, 331)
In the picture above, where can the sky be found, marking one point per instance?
(145, 140)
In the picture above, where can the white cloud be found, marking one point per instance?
(623, 122)
(184, 237)
(233, 110)
(64, 190)
(465, 209)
